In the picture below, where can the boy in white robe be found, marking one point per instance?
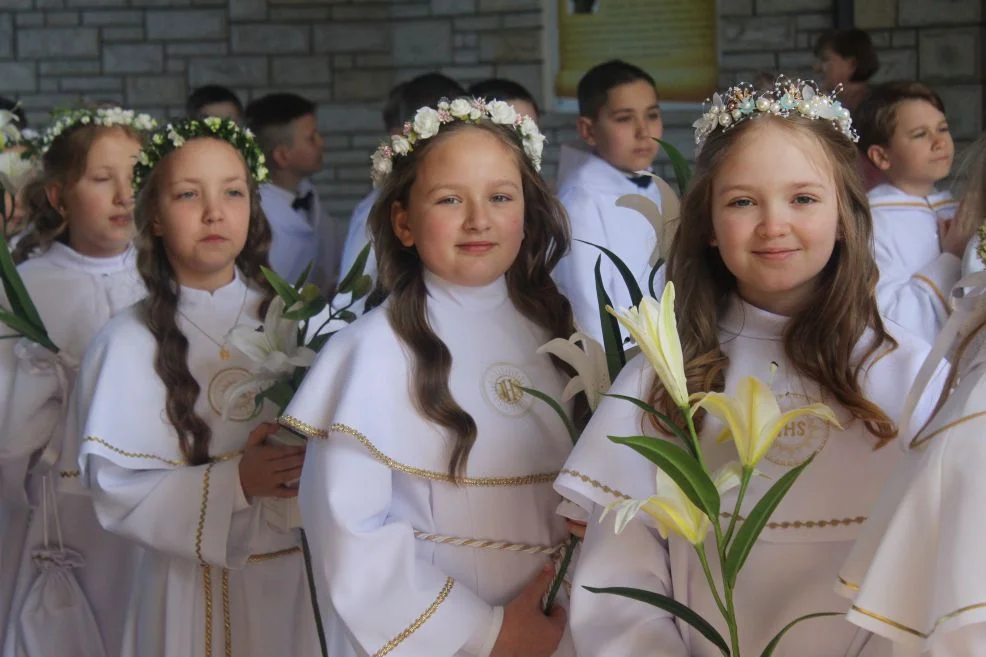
(287, 130)
(619, 119)
(904, 133)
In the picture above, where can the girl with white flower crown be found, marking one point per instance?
(774, 278)
(164, 466)
(426, 494)
(81, 271)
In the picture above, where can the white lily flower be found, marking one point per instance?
(589, 363)
(653, 327)
(15, 171)
(671, 510)
(275, 350)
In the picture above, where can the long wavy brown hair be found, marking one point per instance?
(159, 309)
(63, 165)
(821, 339)
(529, 284)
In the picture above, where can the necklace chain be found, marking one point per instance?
(223, 347)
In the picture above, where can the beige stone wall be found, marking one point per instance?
(345, 54)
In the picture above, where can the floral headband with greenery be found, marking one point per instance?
(103, 116)
(428, 120)
(787, 98)
(174, 135)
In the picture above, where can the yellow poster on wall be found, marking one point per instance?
(673, 40)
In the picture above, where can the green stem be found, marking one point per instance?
(744, 482)
(319, 628)
(694, 436)
(566, 561)
(700, 551)
(731, 621)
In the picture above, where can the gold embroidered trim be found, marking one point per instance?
(69, 474)
(848, 584)
(267, 556)
(910, 630)
(207, 591)
(132, 455)
(202, 507)
(485, 544)
(917, 442)
(313, 432)
(227, 624)
(934, 288)
(419, 621)
(595, 484)
(305, 429)
(140, 455)
(806, 524)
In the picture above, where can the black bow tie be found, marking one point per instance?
(643, 182)
(303, 202)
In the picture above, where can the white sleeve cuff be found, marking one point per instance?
(484, 638)
(240, 502)
(941, 275)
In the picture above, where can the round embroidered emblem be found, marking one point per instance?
(800, 438)
(244, 409)
(502, 388)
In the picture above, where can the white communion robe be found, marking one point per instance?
(589, 190)
(793, 564)
(915, 276)
(214, 577)
(916, 574)
(385, 521)
(75, 295)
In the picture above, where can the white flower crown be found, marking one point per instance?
(801, 97)
(104, 116)
(428, 120)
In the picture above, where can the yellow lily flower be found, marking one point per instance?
(754, 419)
(653, 327)
(671, 510)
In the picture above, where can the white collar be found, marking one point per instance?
(742, 318)
(231, 295)
(66, 257)
(887, 193)
(484, 297)
(584, 168)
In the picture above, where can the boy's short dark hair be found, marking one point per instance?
(18, 111)
(423, 91)
(851, 43)
(502, 89)
(876, 117)
(270, 118)
(594, 87)
(209, 95)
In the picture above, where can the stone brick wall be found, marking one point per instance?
(346, 54)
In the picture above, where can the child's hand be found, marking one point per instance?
(265, 469)
(953, 238)
(526, 631)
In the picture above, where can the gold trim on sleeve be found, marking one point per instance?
(314, 432)
(805, 524)
(419, 621)
(267, 556)
(849, 585)
(920, 440)
(132, 455)
(910, 630)
(934, 288)
(202, 508)
(70, 474)
(595, 484)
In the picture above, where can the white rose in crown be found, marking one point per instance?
(382, 164)
(460, 108)
(400, 144)
(426, 123)
(502, 112)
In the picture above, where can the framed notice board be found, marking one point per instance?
(676, 41)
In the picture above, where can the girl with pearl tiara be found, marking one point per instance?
(79, 267)
(165, 468)
(426, 494)
(774, 278)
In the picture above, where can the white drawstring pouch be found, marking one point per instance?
(56, 618)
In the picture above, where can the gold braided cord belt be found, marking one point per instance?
(486, 544)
